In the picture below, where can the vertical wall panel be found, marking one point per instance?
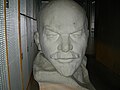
(28, 24)
(28, 15)
(15, 76)
(24, 50)
(34, 8)
(34, 44)
(29, 43)
(3, 60)
(13, 45)
(27, 32)
(23, 6)
(29, 8)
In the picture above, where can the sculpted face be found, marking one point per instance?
(63, 35)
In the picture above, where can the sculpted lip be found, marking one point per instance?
(64, 55)
(64, 58)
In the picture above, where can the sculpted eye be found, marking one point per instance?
(51, 34)
(76, 34)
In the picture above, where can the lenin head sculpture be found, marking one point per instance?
(63, 35)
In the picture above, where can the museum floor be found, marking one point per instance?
(99, 76)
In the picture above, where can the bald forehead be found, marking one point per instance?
(63, 14)
(62, 4)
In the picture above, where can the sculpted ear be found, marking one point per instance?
(87, 33)
(37, 41)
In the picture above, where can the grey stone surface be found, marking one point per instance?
(62, 41)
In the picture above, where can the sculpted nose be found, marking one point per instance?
(65, 45)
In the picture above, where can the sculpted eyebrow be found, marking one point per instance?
(77, 31)
(50, 29)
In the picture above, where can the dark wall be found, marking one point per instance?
(107, 33)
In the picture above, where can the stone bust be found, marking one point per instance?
(62, 40)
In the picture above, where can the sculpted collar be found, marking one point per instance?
(44, 71)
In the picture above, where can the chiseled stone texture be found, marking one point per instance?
(62, 40)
